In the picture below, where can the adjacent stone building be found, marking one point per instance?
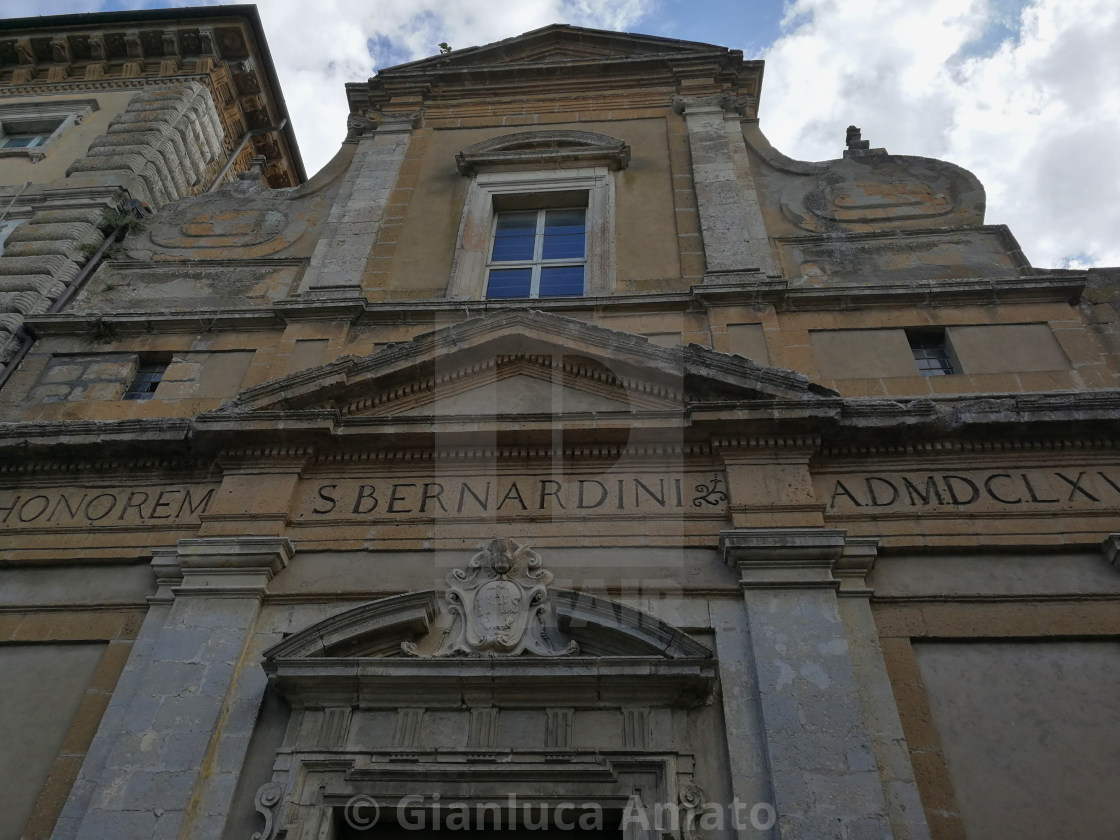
(560, 453)
(99, 109)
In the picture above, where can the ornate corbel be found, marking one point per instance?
(206, 40)
(97, 46)
(24, 52)
(267, 803)
(692, 801)
(132, 44)
(60, 50)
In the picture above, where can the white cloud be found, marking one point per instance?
(316, 53)
(1036, 119)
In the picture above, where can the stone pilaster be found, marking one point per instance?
(731, 221)
(355, 218)
(880, 712)
(823, 771)
(770, 487)
(166, 756)
(256, 492)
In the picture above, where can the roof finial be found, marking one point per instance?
(853, 139)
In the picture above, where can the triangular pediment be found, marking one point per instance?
(524, 363)
(558, 43)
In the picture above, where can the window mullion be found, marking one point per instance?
(538, 242)
(538, 256)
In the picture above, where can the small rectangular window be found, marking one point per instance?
(149, 373)
(538, 253)
(27, 134)
(931, 353)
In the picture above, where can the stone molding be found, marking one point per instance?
(563, 59)
(783, 558)
(779, 293)
(472, 244)
(218, 567)
(717, 103)
(850, 427)
(801, 558)
(854, 565)
(610, 654)
(365, 125)
(545, 148)
(735, 376)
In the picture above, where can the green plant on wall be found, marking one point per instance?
(116, 221)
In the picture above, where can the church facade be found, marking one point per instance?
(563, 457)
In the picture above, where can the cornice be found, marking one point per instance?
(225, 49)
(144, 323)
(79, 85)
(561, 59)
(767, 291)
(960, 292)
(837, 428)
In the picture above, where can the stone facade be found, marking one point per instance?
(799, 522)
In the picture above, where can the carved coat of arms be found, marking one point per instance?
(499, 606)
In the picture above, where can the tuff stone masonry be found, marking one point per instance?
(561, 456)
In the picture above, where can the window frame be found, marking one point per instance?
(923, 342)
(49, 120)
(491, 192)
(537, 263)
(150, 371)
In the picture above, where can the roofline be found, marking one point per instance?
(568, 27)
(247, 11)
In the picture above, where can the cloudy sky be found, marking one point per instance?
(1025, 93)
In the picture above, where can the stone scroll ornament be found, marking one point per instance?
(499, 606)
(266, 802)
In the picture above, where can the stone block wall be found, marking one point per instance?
(89, 377)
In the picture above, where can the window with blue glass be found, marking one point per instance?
(538, 253)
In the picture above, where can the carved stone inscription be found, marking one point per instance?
(400, 497)
(1006, 489)
(104, 506)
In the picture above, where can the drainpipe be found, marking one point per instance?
(4, 215)
(256, 132)
(131, 206)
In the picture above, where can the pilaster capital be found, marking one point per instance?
(783, 558)
(373, 123)
(717, 103)
(691, 106)
(800, 558)
(855, 564)
(219, 567)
